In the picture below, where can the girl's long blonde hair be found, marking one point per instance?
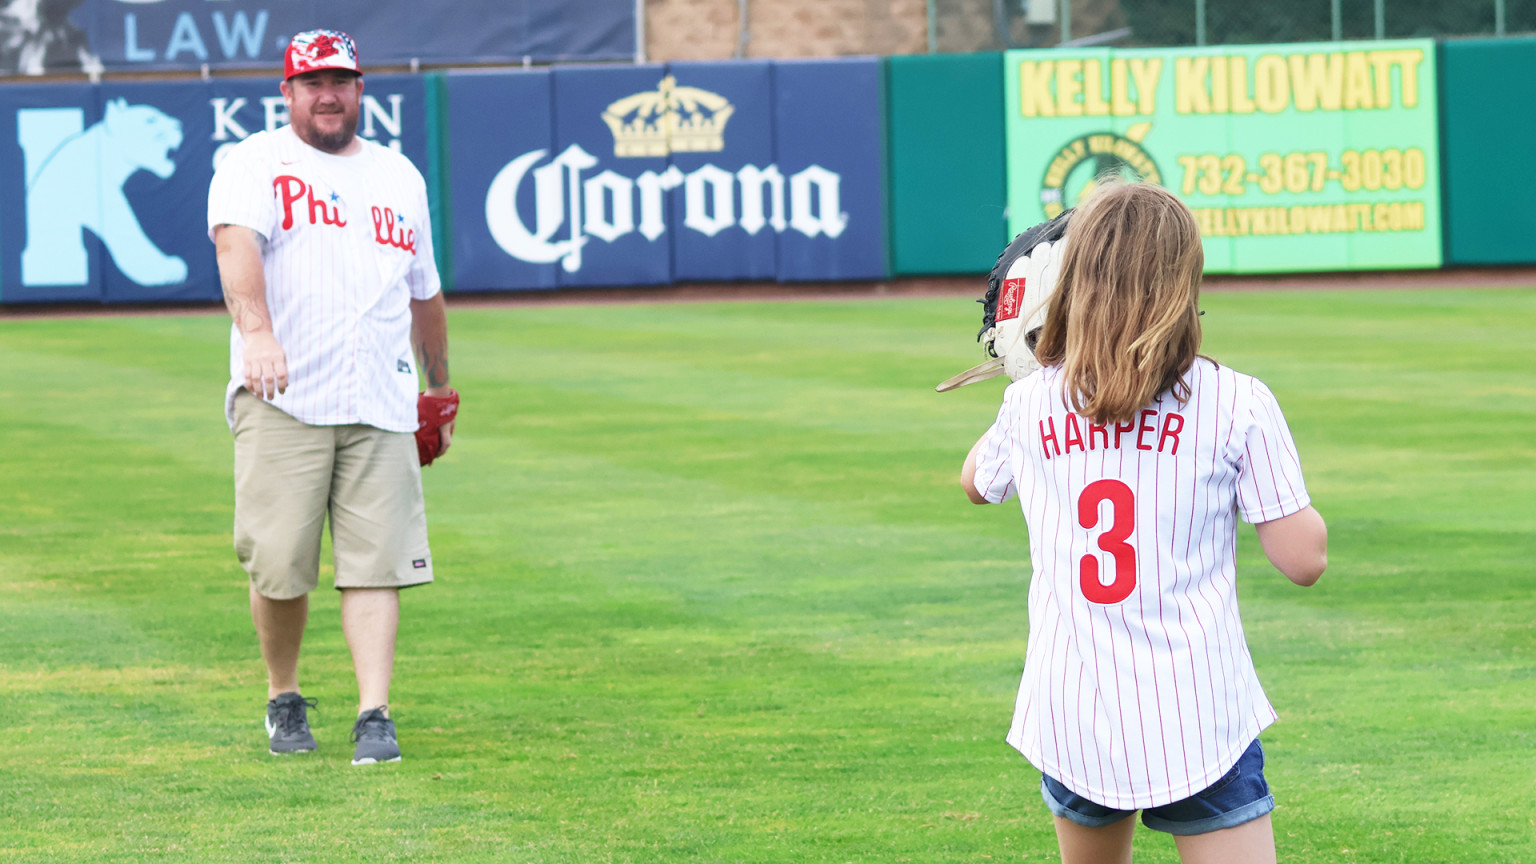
(1124, 323)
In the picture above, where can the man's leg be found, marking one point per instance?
(282, 486)
(280, 629)
(379, 529)
(370, 618)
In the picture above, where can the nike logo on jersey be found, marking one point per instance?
(402, 366)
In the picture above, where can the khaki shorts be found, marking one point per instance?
(289, 475)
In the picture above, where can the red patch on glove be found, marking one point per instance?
(432, 414)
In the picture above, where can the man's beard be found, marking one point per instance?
(331, 142)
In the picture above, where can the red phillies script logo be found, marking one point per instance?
(1013, 297)
(291, 189)
(386, 232)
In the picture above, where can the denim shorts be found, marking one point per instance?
(1240, 796)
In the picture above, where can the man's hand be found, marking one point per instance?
(436, 411)
(266, 366)
(445, 430)
(245, 294)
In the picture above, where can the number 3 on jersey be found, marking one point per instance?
(1122, 508)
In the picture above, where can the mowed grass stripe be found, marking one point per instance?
(668, 630)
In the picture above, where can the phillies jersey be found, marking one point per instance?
(348, 246)
(1138, 687)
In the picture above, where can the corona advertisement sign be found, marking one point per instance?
(647, 175)
(1308, 157)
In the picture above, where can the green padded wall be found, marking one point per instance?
(1488, 127)
(947, 183)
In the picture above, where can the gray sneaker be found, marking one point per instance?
(375, 737)
(288, 725)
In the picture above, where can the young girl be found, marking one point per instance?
(1133, 457)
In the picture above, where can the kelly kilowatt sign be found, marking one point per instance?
(104, 188)
(71, 35)
(652, 174)
(1292, 157)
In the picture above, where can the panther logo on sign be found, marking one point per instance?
(75, 177)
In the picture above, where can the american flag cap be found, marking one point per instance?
(320, 49)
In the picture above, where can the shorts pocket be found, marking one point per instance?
(1215, 788)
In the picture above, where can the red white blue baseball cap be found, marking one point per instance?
(320, 49)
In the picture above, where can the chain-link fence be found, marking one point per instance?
(982, 25)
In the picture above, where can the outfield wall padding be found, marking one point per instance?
(948, 187)
(1488, 117)
(104, 188)
(647, 175)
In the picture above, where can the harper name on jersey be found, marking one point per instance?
(1138, 689)
(1083, 434)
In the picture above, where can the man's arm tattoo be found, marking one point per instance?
(247, 317)
(433, 364)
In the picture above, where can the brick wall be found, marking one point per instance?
(710, 29)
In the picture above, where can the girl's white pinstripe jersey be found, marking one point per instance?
(348, 245)
(1138, 687)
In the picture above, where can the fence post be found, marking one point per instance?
(1338, 20)
(1381, 19)
(1199, 22)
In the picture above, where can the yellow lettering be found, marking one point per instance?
(1386, 217)
(1271, 85)
(1220, 103)
(1319, 219)
(1035, 88)
(1241, 103)
(1093, 89)
(1340, 219)
(1413, 216)
(1120, 90)
(1381, 64)
(1318, 81)
(1357, 82)
(1057, 172)
(1409, 59)
(1146, 71)
(1068, 87)
(1190, 95)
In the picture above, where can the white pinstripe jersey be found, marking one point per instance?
(1138, 687)
(349, 244)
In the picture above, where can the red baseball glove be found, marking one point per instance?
(432, 414)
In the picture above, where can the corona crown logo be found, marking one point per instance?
(670, 119)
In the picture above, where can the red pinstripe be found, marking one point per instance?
(1123, 657)
(337, 297)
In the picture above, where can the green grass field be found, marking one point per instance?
(709, 591)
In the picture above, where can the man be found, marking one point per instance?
(325, 255)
